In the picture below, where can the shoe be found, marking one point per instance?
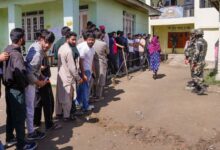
(37, 124)
(30, 146)
(71, 118)
(154, 77)
(36, 135)
(195, 90)
(201, 92)
(99, 98)
(189, 87)
(91, 107)
(55, 126)
(11, 143)
(78, 113)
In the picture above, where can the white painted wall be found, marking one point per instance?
(211, 36)
(172, 21)
(206, 18)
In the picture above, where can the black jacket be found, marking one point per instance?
(14, 70)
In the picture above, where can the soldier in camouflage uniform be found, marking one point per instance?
(189, 51)
(198, 62)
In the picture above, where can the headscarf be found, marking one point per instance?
(154, 45)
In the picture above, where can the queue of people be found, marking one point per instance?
(83, 65)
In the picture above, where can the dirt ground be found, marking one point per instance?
(142, 114)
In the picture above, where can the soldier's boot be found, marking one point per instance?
(190, 85)
(196, 88)
(202, 90)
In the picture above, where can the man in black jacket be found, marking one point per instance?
(15, 81)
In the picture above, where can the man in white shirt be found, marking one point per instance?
(130, 50)
(87, 53)
(141, 48)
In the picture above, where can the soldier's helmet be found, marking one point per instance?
(199, 32)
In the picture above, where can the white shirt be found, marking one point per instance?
(136, 41)
(87, 54)
(130, 48)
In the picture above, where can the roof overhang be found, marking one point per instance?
(139, 5)
(215, 3)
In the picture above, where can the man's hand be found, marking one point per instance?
(84, 78)
(40, 84)
(81, 81)
(186, 61)
(4, 56)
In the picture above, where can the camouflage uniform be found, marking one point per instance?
(189, 52)
(198, 62)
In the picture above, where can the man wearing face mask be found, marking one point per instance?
(68, 76)
(33, 64)
(15, 81)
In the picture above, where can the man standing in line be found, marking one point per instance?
(101, 64)
(68, 77)
(15, 81)
(33, 63)
(61, 41)
(87, 53)
(141, 49)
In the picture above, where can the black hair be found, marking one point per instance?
(118, 32)
(69, 34)
(39, 33)
(84, 35)
(93, 26)
(98, 34)
(16, 34)
(90, 35)
(89, 23)
(48, 36)
(65, 30)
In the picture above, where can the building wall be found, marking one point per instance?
(206, 18)
(3, 28)
(53, 15)
(211, 36)
(110, 14)
(162, 32)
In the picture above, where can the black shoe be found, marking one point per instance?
(11, 143)
(154, 77)
(201, 92)
(70, 119)
(55, 126)
(30, 146)
(36, 135)
(195, 90)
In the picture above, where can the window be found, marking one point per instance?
(128, 23)
(31, 22)
(205, 4)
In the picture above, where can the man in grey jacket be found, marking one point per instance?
(33, 63)
(100, 61)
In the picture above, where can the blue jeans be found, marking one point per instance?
(83, 92)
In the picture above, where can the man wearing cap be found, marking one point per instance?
(105, 37)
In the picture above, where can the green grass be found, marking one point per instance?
(210, 78)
